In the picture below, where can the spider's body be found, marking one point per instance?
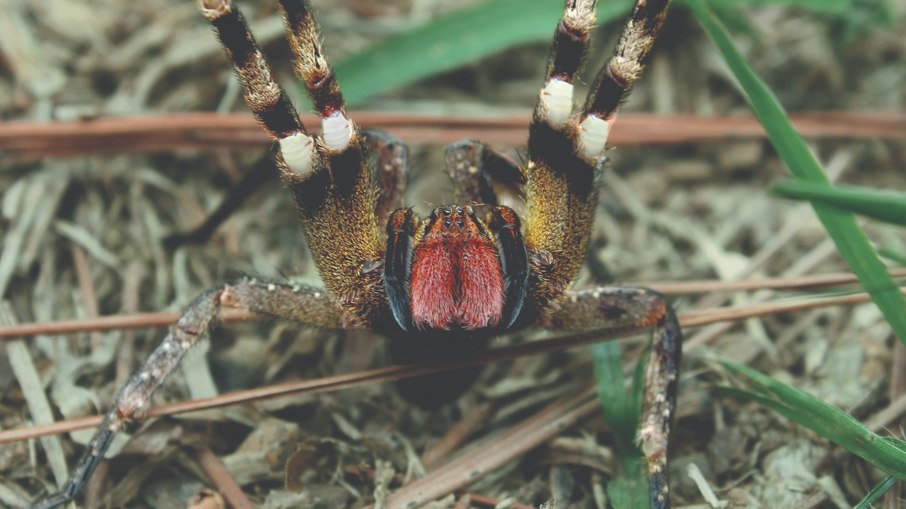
(452, 274)
(449, 283)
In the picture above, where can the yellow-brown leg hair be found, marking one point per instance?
(328, 175)
(566, 150)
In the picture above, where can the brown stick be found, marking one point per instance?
(392, 373)
(210, 130)
(165, 318)
(221, 478)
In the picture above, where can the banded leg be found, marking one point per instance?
(263, 171)
(391, 166)
(328, 175)
(282, 300)
(566, 149)
(634, 309)
(616, 79)
(474, 167)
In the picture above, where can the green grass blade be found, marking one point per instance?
(833, 7)
(894, 256)
(851, 241)
(876, 493)
(621, 411)
(886, 453)
(453, 40)
(473, 33)
(887, 206)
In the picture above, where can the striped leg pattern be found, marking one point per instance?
(566, 154)
(327, 174)
(566, 147)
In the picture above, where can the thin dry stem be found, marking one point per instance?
(392, 373)
(27, 140)
(164, 318)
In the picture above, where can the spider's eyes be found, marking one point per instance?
(447, 212)
(459, 211)
(447, 223)
(459, 223)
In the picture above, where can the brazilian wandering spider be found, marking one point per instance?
(459, 277)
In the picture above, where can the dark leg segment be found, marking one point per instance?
(566, 150)
(391, 166)
(474, 167)
(617, 78)
(328, 175)
(398, 265)
(263, 171)
(633, 309)
(294, 302)
(265, 97)
(513, 262)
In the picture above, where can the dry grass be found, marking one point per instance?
(82, 237)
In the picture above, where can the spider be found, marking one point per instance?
(446, 283)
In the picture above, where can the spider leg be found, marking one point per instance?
(566, 149)
(616, 79)
(628, 309)
(328, 174)
(474, 167)
(264, 170)
(391, 163)
(278, 299)
(392, 156)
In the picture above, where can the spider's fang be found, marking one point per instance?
(337, 130)
(557, 101)
(298, 152)
(593, 132)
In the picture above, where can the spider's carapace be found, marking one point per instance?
(454, 271)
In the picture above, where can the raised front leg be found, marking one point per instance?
(566, 148)
(282, 300)
(327, 174)
(390, 159)
(630, 309)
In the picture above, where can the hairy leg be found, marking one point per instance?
(566, 148)
(475, 167)
(328, 175)
(633, 309)
(278, 299)
(391, 167)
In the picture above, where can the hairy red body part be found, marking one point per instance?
(456, 278)
(432, 286)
